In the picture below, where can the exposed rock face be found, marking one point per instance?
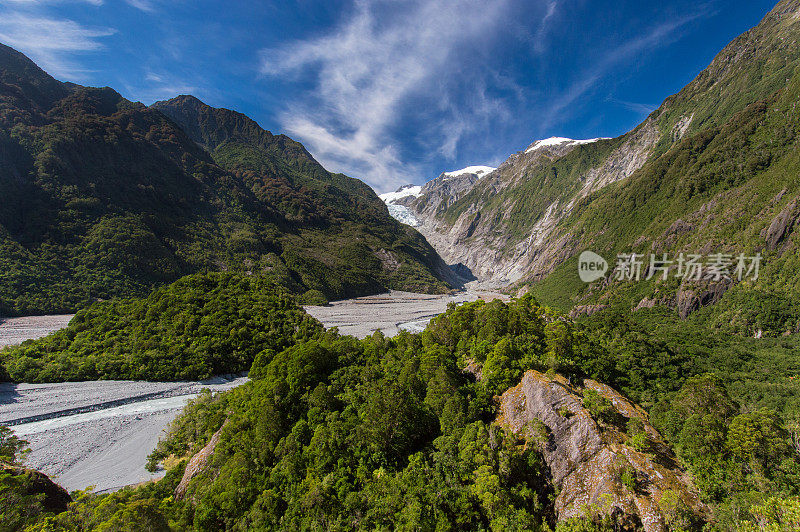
(782, 225)
(56, 499)
(480, 238)
(540, 208)
(438, 194)
(691, 299)
(198, 463)
(586, 456)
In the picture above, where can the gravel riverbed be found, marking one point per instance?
(100, 433)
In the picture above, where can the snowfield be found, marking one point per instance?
(557, 141)
(403, 192)
(479, 171)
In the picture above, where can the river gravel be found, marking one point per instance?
(390, 313)
(14, 331)
(100, 433)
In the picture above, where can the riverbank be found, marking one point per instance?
(97, 433)
(391, 312)
(14, 331)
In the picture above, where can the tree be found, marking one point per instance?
(12, 448)
(758, 438)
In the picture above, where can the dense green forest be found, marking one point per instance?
(337, 433)
(103, 197)
(202, 325)
(107, 199)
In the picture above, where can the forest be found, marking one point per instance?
(337, 433)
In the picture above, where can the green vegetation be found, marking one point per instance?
(335, 433)
(391, 433)
(200, 326)
(105, 198)
(728, 404)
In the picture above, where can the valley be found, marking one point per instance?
(390, 313)
(213, 331)
(81, 431)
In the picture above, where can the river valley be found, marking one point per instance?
(99, 433)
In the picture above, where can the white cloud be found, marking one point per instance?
(376, 64)
(50, 42)
(159, 86)
(641, 108)
(144, 5)
(541, 33)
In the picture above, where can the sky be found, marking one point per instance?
(391, 91)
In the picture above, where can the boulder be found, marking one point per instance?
(587, 456)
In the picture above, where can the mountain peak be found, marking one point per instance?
(23, 80)
(479, 171)
(403, 192)
(560, 141)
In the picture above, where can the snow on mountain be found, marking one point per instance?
(479, 171)
(403, 214)
(558, 141)
(402, 192)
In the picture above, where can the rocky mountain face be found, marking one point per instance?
(711, 169)
(105, 197)
(607, 457)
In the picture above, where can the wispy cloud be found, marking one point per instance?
(50, 42)
(373, 70)
(541, 32)
(657, 36)
(144, 5)
(641, 108)
(160, 86)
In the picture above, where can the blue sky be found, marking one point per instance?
(391, 91)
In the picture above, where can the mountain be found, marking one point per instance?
(418, 206)
(104, 197)
(713, 169)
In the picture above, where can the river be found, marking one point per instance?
(99, 433)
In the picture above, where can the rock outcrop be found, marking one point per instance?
(782, 225)
(198, 463)
(593, 463)
(55, 498)
(692, 297)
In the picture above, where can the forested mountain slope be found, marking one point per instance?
(337, 433)
(714, 169)
(103, 197)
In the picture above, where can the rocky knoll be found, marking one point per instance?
(198, 463)
(54, 498)
(601, 462)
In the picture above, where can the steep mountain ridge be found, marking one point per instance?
(728, 137)
(104, 197)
